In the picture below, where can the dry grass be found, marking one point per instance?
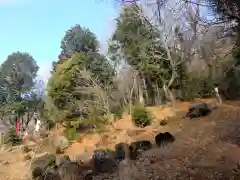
(207, 148)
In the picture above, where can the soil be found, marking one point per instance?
(205, 148)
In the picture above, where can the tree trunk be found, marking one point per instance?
(145, 89)
(141, 99)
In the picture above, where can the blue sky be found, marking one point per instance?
(37, 26)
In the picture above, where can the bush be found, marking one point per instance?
(200, 87)
(141, 117)
(50, 124)
(59, 151)
(71, 134)
(117, 111)
(163, 122)
(26, 149)
(51, 161)
(13, 138)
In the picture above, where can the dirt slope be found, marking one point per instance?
(206, 148)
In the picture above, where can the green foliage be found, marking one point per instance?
(69, 88)
(71, 134)
(117, 111)
(51, 161)
(230, 85)
(12, 138)
(66, 85)
(17, 76)
(49, 124)
(193, 86)
(141, 117)
(50, 113)
(109, 150)
(139, 43)
(18, 73)
(59, 151)
(78, 39)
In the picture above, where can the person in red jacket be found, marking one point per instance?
(17, 126)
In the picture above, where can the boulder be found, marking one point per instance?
(88, 175)
(43, 161)
(48, 175)
(70, 171)
(60, 142)
(121, 151)
(137, 147)
(162, 139)
(104, 161)
(37, 173)
(198, 110)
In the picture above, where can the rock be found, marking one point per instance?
(121, 151)
(198, 110)
(87, 175)
(162, 139)
(43, 161)
(48, 175)
(62, 160)
(37, 172)
(104, 161)
(70, 171)
(60, 142)
(137, 147)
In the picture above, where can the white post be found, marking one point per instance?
(217, 94)
(37, 127)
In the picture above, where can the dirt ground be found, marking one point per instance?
(205, 148)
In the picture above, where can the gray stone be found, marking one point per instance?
(43, 161)
(60, 142)
(104, 161)
(198, 109)
(69, 171)
(62, 160)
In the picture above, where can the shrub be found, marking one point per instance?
(109, 149)
(71, 134)
(59, 150)
(51, 161)
(117, 111)
(141, 117)
(13, 138)
(50, 124)
(26, 149)
(163, 122)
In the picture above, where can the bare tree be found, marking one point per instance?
(179, 45)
